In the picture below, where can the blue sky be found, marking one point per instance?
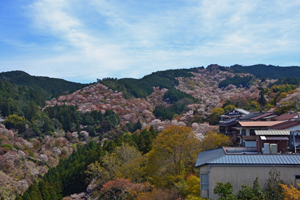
(80, 40)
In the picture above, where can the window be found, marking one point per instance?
(297, 180)
(204, 181)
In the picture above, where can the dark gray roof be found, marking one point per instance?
(219, 157)
(229, 122)
(207, 156)
(251, 115)
(242, 111)
(258, 160)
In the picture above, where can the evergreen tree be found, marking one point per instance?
(262, 100)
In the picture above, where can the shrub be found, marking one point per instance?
(8, 146)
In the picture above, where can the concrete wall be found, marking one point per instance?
(238, 175)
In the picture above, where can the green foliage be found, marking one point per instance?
(253, 106)
(245, 193)
(287, 80)
(272, 189)
(214, 117)
(237, 81)
(179, 99)
(164, 113)
(141, 88)
(269, 71)
(68, 177)
(225, 191)
(172, 156)
(261, 99)
(190, 186)
(47, 86)
(14, 121)
(8, 146)
(248, 193)
(282, 88)
(228, 108)
(257, 191)
(214, 140)
(174, 95)
(145, 141)
(177, 108)
(70, 118)
(19, 100)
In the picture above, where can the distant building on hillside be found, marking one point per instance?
(241, 166)
(234, 113)
(247, 135)
(286, 117)
(264, 138)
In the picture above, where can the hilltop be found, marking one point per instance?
(47, 119)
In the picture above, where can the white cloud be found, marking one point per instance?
(99, 38)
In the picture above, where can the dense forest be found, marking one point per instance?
(123, 159)
(133, 166)
(179, 102)
(141, 88)
(237, 81)
(270, 71)
(49, 87)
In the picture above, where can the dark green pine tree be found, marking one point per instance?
(262, 100)
(34, 191)
(44, 190)
(138, 125)
(26, 196)
(18, 198)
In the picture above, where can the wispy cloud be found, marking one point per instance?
(84, 40)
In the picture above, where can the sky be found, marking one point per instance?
(85, 40)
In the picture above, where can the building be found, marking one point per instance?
(286, 117)
(278, 137)
(250, 115)
(227, 128)
(247, 134)
(286, 125)
(268, 116)
(295, 140)
(234, 113)
(220, 165)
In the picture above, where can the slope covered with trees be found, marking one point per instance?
(142, 165)
(269, 71)
(141, 88)
(49, 87)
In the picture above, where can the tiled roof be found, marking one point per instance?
(270, 116)
(262, 115)
(274, 138)
(245, 112)
(250, 115)
(259, 123)
(229, 122)
(285, 125)
(271, 132)
(258, 160)
(285, 117)
(242, 111)
(219, 157)
(207, 156)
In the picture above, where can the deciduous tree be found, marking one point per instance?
(175, 149)
(272, 188)
(214, 140)
(289, 192)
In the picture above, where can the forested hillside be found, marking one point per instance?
(132, 128)
(144, 87)
(49, 87)
(269, 71)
